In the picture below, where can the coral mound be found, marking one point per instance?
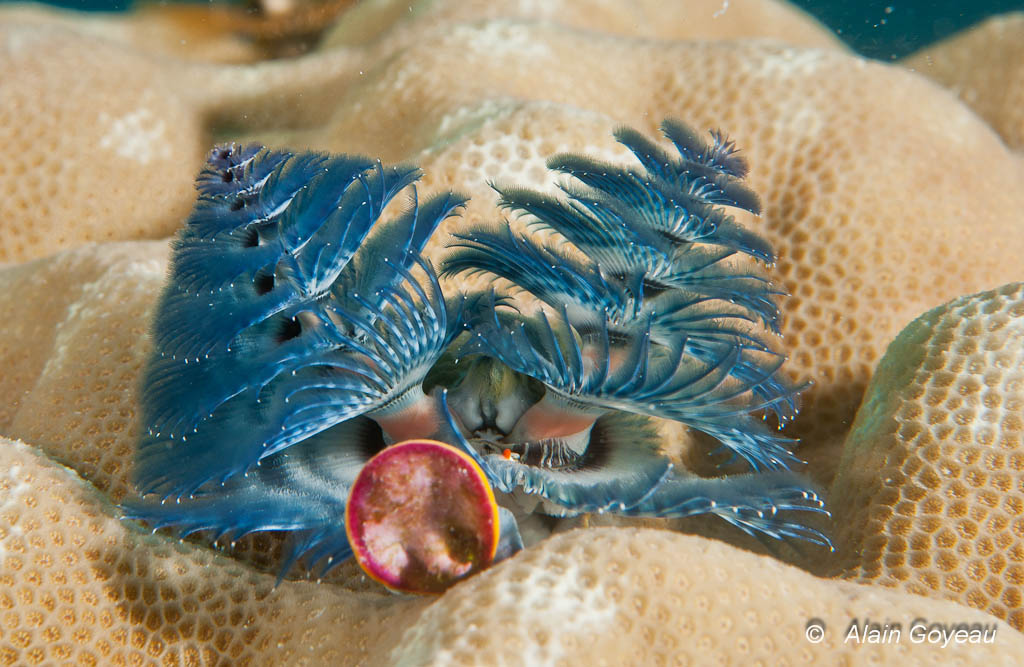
(79, 586)
(648, 597)
(877, 186)
(984, 67)
(929, 490)
(884, 195)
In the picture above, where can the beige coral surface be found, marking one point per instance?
(90, 120)
(930, 491)
(181, 31)
(884, 196)
(870, 175)
(80, 587)
(984, 67)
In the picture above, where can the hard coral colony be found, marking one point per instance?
(299, 335)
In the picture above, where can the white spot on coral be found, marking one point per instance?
(790, 62)
(503, 156)
(93, 305)
(21, 42)
(499, 38)
(11, 500)
(470, 116)
(138, 136)
(539, 8)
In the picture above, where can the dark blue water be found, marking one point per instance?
(891, 30)
(874, 28)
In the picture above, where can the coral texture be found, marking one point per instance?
(984, 67)
(869, 176)
(78, 586)
(102, 143)
(930, 491)
(400, 22)
(80, 323)
(76, 141)
(190, 33)
(883, 194)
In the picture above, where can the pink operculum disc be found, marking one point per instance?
(421, 516)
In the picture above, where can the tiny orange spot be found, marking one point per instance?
(507, 454)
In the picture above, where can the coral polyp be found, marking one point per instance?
(300, 334)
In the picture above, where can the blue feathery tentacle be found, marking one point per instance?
(323, 234)
(581, 287)
(199, 319)
(303, 489)
(711, 387)
(751, 502)
(600, 231)
(403, 239)
(544, 273)
(664, 321)
(622, 471)
(715, 171)
(331, 326)
(610, 232)
(643, 224)
(295, 323)
(680, 215)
